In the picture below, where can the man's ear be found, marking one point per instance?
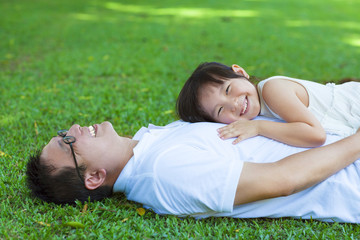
(94, 179)
(239, 70)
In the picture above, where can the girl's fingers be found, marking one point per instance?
(236, 141)
(229, 134)
(222, 129)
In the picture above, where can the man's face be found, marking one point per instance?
(93, 150)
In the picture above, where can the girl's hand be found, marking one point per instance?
(242, 129)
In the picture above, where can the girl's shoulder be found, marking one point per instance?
(304, 83)
(262, 82)
(281, 78)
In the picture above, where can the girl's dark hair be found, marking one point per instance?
(64, 187)
(187, 103)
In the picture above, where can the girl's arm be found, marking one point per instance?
(296, 172)
(290, 101)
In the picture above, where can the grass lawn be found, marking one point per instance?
(86, 61)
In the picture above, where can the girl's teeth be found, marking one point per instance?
(245, 107)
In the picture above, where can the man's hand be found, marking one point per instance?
(242, 129)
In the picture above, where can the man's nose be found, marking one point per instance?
(73, 128)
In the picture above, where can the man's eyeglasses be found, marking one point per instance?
(70, 140)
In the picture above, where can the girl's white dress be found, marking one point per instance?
(337, 107)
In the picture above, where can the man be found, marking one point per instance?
(186, 169)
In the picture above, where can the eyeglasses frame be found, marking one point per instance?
(70, 140)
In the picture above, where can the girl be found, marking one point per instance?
(218, 93)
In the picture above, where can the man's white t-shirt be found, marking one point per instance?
(182, 168)
(185, 169)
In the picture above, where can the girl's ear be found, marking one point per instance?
(94, 179)
(239, 70)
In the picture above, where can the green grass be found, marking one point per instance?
(86, 61)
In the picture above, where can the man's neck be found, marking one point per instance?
(125, 152)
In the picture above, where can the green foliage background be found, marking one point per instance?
(65, 62)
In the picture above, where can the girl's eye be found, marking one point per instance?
(227, 90)
(220, 109)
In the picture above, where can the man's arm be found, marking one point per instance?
(296, 172)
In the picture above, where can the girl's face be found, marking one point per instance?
(235, 99)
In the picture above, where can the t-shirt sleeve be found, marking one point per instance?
(195, 181)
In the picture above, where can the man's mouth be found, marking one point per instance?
(92, 131)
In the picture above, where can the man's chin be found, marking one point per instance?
(107, 126)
